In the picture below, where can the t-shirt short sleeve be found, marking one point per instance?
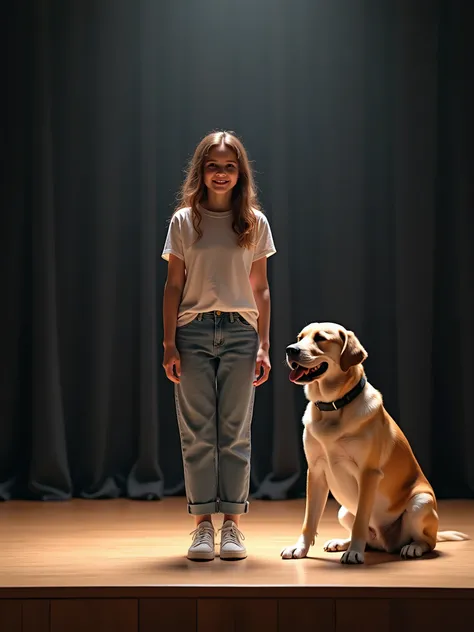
(265, 246)
(173, 243)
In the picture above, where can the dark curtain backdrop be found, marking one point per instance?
(359, 117)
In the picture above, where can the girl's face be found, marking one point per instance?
(221, 170)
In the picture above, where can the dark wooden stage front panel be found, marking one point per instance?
(10, 615)
(433, 615)
(370, 615)
(238, 615)
(306, 614)
(243, 615)
(168, 614)
(36, 615)
(94, 615)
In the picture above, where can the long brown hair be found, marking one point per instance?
(244, 194)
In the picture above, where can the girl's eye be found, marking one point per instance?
(212, 165)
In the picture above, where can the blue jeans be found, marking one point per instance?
(214, 406)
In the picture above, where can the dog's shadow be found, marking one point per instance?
(374, 558)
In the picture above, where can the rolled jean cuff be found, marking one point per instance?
(201, 509)
(233, 508)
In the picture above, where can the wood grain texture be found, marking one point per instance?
(167, 615)
(413, 615)
(238, 615)
(10, 615)
(363, 615)
(36, 615)
(306, 615)
(111, 544)
(94, 615)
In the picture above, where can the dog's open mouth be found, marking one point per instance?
(300, 373)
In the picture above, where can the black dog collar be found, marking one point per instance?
(343, 401)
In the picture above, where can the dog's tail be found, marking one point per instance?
(451, 536)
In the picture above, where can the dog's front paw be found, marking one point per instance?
(352, 557)
(336, 545)
(411, 551)
(296, 551)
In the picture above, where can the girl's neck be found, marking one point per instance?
(218, 203)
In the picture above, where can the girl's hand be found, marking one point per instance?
(263, 363)
(172, 363)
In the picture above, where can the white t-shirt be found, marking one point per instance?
(217, 268)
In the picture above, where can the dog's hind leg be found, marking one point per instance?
(419, 527)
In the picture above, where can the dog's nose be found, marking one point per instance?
(293, 351)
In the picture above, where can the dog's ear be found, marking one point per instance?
(352, 351)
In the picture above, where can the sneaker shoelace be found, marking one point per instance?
(202, 535)
(231, 534)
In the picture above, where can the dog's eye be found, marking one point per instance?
(319, 338)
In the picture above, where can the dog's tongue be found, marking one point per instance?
(295, 374)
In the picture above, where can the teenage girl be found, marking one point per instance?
(216, 321)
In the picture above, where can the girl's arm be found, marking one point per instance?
(261, 292)
(171, 298)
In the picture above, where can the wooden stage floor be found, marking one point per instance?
(58, 560)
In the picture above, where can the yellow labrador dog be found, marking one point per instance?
(356, 450)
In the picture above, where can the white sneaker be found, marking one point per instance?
(231, 542)
(203, 546)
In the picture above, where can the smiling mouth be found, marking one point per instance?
(300, 373)
(221, 182)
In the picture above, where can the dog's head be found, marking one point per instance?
(323, 349)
